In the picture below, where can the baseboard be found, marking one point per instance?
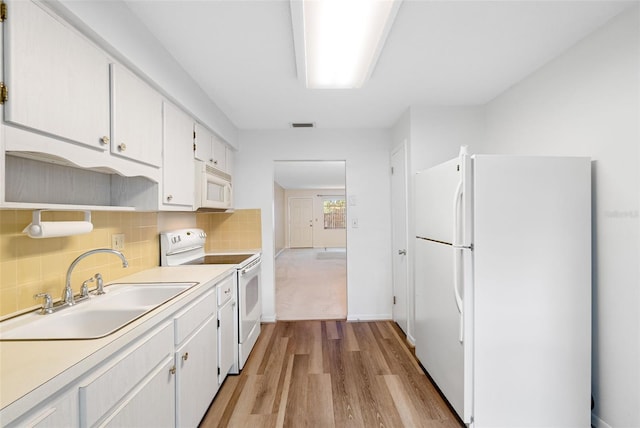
(279, 252)
(596, 422)
(411, 340)
(371, 317)
(268, 319)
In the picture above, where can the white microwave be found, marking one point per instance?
(213, 188)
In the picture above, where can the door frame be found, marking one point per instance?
(399, 212)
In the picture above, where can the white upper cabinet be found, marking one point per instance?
(136, 118)
(203, 147)
(211, 149)
(58, 82)
(219, 154)
(178, 169)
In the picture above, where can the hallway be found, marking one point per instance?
(311, 283)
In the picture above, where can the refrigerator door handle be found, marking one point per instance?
(457, 257)
(457, 216)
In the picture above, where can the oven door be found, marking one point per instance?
(249, 299)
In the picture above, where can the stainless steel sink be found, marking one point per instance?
(96, 317)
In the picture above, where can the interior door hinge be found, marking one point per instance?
(218, 323)
(4, 93)
(394, 300)
(218, 371)
(194, 147)
(3, 11)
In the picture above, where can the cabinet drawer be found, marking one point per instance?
(102, 392)
(225, 289)
(187, 320)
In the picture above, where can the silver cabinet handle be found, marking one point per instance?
(122, 147)
(185, 357)
(402, 252)
(169, 198)
(104, 140)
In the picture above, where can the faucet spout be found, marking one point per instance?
(67, 293)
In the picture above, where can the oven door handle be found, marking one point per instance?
(251, 267)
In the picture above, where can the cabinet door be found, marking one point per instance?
(60, 411)
(203, 140)
(229, 161)
(152, 405)
(178, 169)
(226, 340)
(197, 376)
(136, 118)
(58, 81)
(128, 379)
(219, 154)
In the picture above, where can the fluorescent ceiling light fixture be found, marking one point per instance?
(338, 42)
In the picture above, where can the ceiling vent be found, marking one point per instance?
(303, 125)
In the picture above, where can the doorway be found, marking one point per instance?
(310, 240)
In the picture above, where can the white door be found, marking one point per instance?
(399, 236)
(300, 222)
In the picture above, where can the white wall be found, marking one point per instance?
(366, 153)
(434, 135)
(279, 218)
(586, 103)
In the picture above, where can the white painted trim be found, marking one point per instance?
(370, 317)
(268, 319)
(411, 340)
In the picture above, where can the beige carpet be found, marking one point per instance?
(311, 284)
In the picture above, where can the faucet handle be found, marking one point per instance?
(84, 290)
(100, 284)
(47, 307)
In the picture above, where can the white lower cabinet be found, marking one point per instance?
(197, 375)
(166, 377)
(126, 385)
(152, 403)
(196, 359)
(58, 411)
(227, 342)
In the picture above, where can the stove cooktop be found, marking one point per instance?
(220, 259)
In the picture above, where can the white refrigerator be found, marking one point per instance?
(503, 288)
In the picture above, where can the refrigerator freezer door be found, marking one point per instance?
(435, 189)
(532, 293)
(438, 322)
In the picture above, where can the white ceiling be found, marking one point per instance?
(446, 52)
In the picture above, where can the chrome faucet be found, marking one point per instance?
(67, 293)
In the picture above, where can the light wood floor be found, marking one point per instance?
(311, 284)
(330, 374)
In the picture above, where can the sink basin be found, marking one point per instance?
(145, 295)
(96, 317)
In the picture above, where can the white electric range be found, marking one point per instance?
(187, 247)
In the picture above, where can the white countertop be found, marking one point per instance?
(40, 368)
